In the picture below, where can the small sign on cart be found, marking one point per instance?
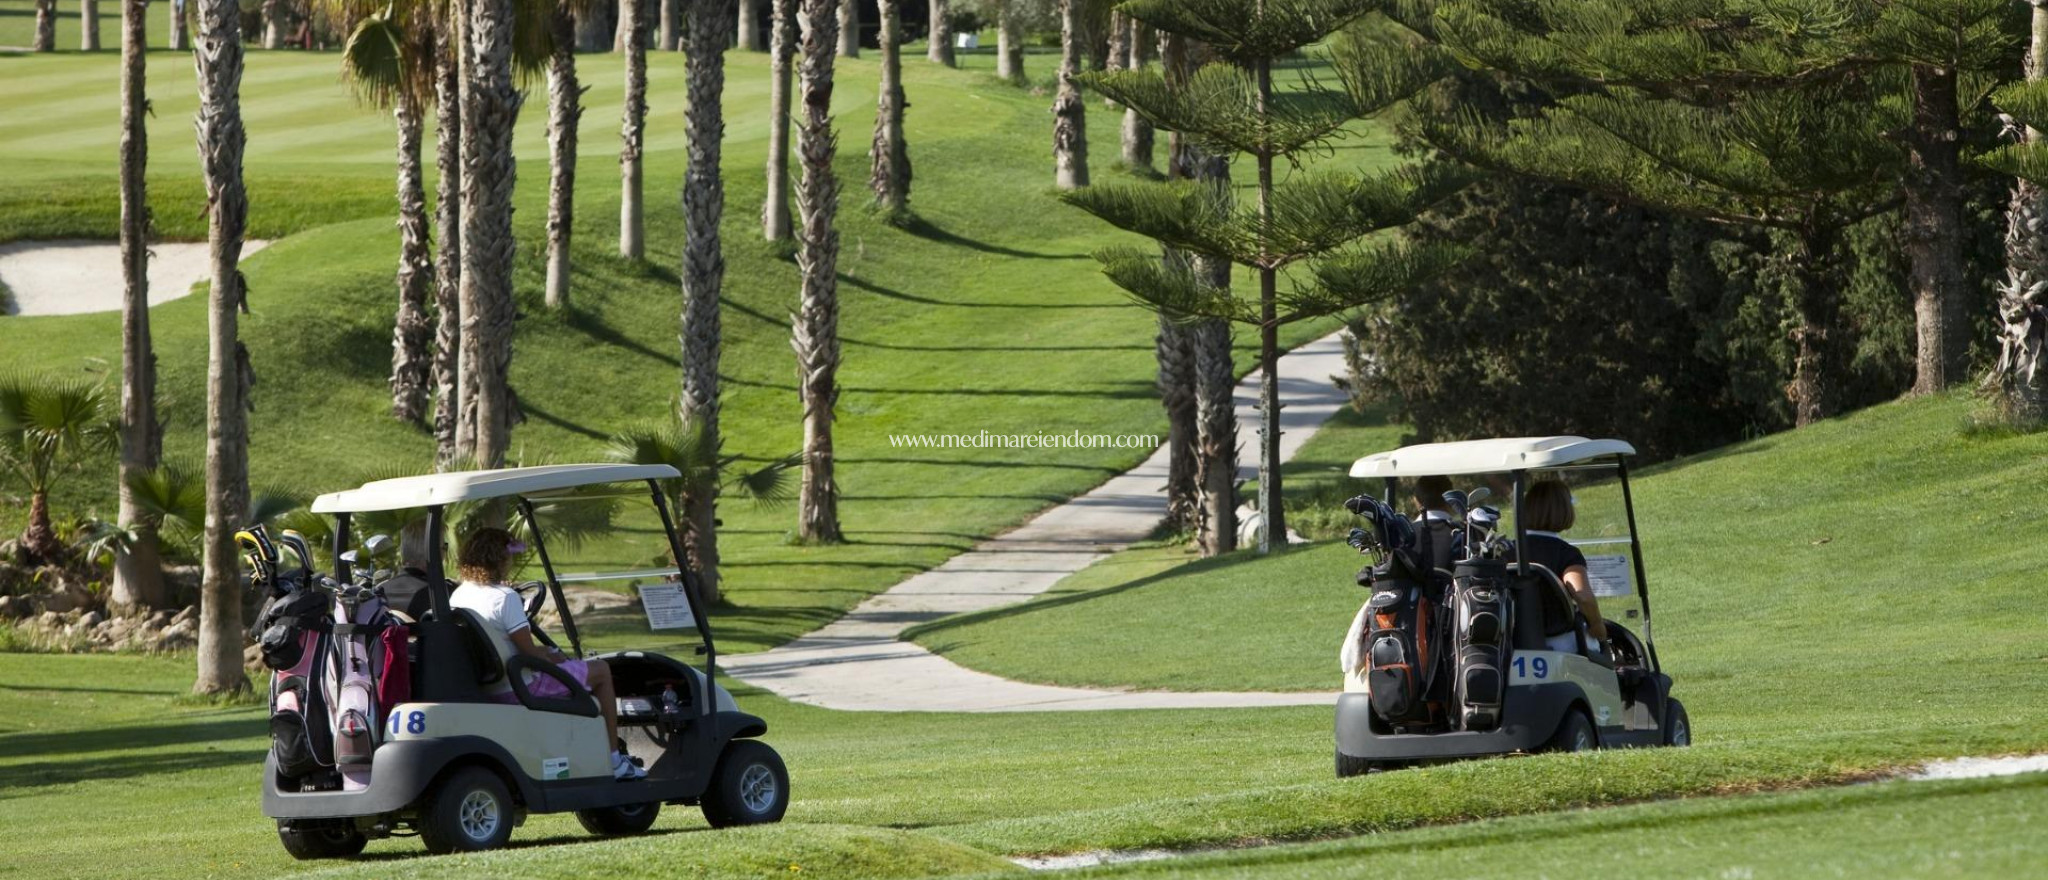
(1609, 576)
(667, 607)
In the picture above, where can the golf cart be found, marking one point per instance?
(1449, 664)
(469, 749)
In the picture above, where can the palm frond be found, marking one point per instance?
(374, 60)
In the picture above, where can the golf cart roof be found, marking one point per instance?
(428, 490)
(1486, 456)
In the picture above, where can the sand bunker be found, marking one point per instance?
(77, 276)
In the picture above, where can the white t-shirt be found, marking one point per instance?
(502, 612)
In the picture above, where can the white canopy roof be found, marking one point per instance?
(1486, 456)
(428, 490)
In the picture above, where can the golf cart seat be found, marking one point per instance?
(485, 653)
(1555, 612)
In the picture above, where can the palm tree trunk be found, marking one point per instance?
(218, 57)
(491, 109)
(273, 24)
(46, 26)
(939, 48)
(1933, 231)
(565, 110)
(1174, 346)
(1070, 117)
(815, 326)
(1009, 42)
(782, 49)
(2023, 297)
(89, 25)
(671, 26)
(412, 337)
(1137, 143)
(1215, 376)
(749, 22)
(181, 38)
(138, 572)
(889, 171)
(1118, 40)
(1271, 511)
(849, 28)
(632, 131)
(39, 541)
(448, 230)
(704, 270)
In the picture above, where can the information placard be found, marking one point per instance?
(1609, 575)
(666, 606)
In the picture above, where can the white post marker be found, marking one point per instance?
(666, 606)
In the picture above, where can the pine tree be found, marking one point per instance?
(1313, 220)
(1752, 120)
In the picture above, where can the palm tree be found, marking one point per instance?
(181, 37)
(490, 109)
(1070, 117)
(671, 24)
(2017, 378)
(849, 28)
(939, 48)
(633, 129)
(138, 572)
(387, 60)
(815, 326)
(749, 21)
(221, 138)
(889, 176)
(46, 26)
(1009, 41)
(48, 426)
(1137, 143)
(89, 25)
(1174, 348)
(703, 274)
(782, 49)
(565, 110)
(706, 474)
(448, 54)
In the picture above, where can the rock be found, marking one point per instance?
(49, 620)
(252, 656)
(177, 637)
(188, 615)
(91, 619)
(161, 618)
(10, 608)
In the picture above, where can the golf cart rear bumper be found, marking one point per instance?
(403, 770)
(1532, 716)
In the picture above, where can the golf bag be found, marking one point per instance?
(293, 635)
(367, 673)
(1400, 650)
(1479, 612)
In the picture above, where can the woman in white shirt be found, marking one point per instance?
(483, 563)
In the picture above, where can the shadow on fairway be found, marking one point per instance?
(16, 780)
(130, 736)
(925, 229)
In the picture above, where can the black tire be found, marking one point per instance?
(331, 842)
(467, 812)
(1574, 734)
(750, 786)
(1678, 726)
(1348, 766)
(620, 821)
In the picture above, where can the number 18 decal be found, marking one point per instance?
(1532, 667)
(414, 722)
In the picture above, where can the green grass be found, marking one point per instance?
(988, 316)
(1896, 830)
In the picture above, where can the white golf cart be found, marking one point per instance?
(461, 765)
(1504, 690)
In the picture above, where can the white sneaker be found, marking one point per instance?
(625, 768)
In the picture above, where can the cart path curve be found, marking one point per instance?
(860, 663)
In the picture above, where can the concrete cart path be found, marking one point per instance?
(74, 276)
(858, 662)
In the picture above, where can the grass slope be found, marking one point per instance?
(989, 315)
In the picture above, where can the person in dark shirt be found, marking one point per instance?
(1549, 509)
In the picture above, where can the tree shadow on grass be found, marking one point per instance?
(16, 780)
(130, 736)
(925, 229)
(892, 293)
(1050, 349)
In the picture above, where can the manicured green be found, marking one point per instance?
(1904, 830)
(987, 316)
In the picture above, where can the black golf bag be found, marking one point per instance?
(1480, 611)
(1403, 637)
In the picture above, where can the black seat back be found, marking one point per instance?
(1542, 608)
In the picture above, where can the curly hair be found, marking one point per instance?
(486, 556)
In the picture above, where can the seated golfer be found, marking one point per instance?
(1549, 507)
(483, 562)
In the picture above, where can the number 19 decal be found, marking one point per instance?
(414, 722)
(1532, 667)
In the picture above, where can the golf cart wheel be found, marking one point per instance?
(620, 821)
(749, 787)
(331, 842)
(1348, 766)
(1574, 734)
(1677, 727)
(469, 811)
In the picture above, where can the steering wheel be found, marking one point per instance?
(535, 595)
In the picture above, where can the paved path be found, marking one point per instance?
(74, 276)
(858, 662)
